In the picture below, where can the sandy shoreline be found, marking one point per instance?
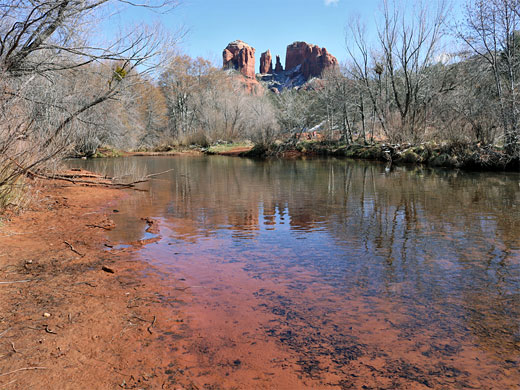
(65, 323)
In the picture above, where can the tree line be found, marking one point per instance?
(424, 77)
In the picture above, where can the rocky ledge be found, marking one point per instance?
(303, 61)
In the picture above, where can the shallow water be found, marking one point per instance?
(333, 273)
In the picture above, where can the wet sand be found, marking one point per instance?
(65, 323)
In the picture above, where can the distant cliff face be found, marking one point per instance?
(303, 61)
(266, 63)
(240, 56)
(278, 67)
(313, 59)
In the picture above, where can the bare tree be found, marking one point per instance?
(296, 113)
(491, 32)
(54, 77)
(396, 74)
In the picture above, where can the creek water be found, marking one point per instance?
(335, 274)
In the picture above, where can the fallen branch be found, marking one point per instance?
(57, 177)
(82, 175)
(98, 183)
(70, 178)
(73, 249)
(67, 178)
(145, 179)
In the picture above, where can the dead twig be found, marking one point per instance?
(48, 330)
(5, 331)
(185, 288)
(147, 177)
(149, 329)
(18, 281)
(87, 283)
(23, 369)
(152, 324)
(14, 349)
(194, 386)
(160, 173)
(8, 383)
(73, 249)
(139, 318)
(105, 184)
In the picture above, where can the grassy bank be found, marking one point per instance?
(448, 155)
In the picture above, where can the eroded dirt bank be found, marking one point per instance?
(67, 321)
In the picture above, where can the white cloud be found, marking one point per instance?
(331, 2)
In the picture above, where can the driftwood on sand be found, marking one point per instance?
(92, 179)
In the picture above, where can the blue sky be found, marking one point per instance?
(268, 24)
(264, 24)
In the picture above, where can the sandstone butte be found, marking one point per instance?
(266, 63)
(240, 56)
(313, 59)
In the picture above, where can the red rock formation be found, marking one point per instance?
(313, 59)
(266, 63)
(278, 67)
(240, 56)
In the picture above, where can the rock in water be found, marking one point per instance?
(240, 56)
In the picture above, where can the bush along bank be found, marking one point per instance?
(447, 155)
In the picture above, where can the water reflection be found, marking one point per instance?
(438, 250)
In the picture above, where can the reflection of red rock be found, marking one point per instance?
(246, 220)
(240, 56)
(278, 67)
(266, 63)
(313, 59)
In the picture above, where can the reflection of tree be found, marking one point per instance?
(443, 244)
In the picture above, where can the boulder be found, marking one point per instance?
(312, 59)
(266, 63)
(240, 56)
